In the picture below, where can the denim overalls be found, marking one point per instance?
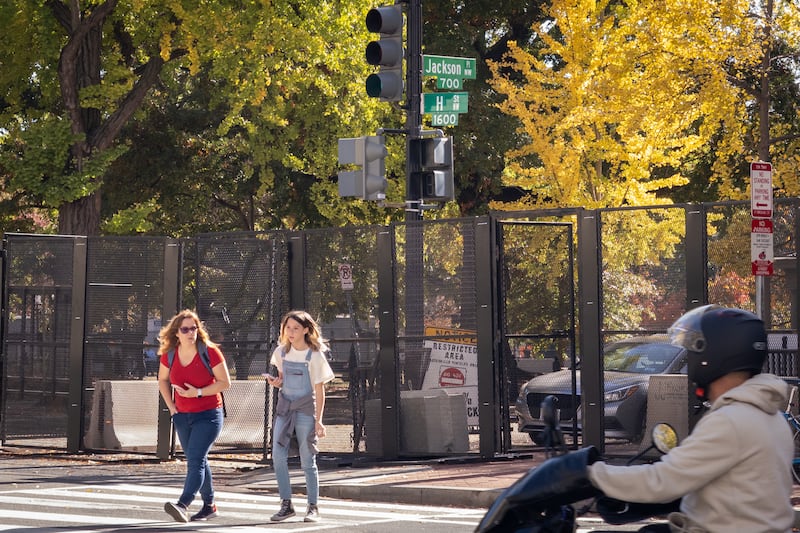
(296, 385)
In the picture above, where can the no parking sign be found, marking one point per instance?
(761, 248)
(346, 277)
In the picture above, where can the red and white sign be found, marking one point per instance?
(346, 277)
(761, 251)
(452, 377)
(761, 189)
(454, 366)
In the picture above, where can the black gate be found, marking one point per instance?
(36, 332)
(537, 320)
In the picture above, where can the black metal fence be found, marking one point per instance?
(433, 325)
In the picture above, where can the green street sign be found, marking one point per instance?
(462, 68)
(444, 103)
(449, 84)
(444, 119)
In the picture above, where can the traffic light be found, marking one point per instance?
(387, 53)
(368, 182)
(432, 169)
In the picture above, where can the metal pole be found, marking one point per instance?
(415, 327)
(414, 96)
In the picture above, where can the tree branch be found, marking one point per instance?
(77, 32)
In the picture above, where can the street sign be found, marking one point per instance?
(761, 250)
(761, 189)
(462, 68)
(346, 277)
(444, 119)
(449, 84)
(445, 103)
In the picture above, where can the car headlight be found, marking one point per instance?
(620, 394)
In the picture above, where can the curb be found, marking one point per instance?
(409, 495)
(414, 495)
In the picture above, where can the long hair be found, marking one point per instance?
(314, 336)
(168, 336)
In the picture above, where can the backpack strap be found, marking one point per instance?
(204, 357)
(203, 349)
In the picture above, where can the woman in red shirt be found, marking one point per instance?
(195, 406)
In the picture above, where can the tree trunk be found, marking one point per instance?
(80, 66)
(81, 217)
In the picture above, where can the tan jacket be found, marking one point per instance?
(733, 471)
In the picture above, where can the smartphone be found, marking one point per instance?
(273, 371)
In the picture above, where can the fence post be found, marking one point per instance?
(172, 291)
(591, 350)
(389, 381)
(489, 395)
(696, 274)
(77, 328)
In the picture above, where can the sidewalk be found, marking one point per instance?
(459, 482)
(467, 481)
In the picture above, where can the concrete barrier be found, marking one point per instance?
(432, 422)
(124, 415)
(667, 401)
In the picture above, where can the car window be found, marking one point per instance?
(638, 358)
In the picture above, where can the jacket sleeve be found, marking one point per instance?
(711, 450)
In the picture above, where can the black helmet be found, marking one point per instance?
(720, 340)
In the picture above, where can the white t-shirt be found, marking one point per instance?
(319, 368)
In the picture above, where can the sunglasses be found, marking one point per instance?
(186, 330)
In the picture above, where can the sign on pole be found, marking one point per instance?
(444, 119)
(346, 277)
(445, 103)
(761, 189)
(449, 67)
(450, 72)
(761, 250)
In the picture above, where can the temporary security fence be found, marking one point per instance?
(433, 326)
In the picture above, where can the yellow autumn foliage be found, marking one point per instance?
(616, 101)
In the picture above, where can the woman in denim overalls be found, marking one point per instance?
(302, 374)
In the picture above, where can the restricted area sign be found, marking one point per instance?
(454, 365)
(346, 277)
(761, 251)
(761, 189)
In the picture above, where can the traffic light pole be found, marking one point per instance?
(414, 97)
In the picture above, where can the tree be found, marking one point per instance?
(288, 79)
(618, 103)
(481, 29)
(626, 104)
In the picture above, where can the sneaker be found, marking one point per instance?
(177, 511)
(312, 515)
(287, 511)
(209, 510)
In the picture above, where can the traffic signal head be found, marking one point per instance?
(369, 181)
(432, 169)
(387, 53)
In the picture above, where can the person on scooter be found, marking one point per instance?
(733, 472)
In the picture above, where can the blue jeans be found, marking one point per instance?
(197, 433)
(303, 427)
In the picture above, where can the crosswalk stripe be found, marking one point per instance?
(136, 505)
(226, 500)
(87, 519)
